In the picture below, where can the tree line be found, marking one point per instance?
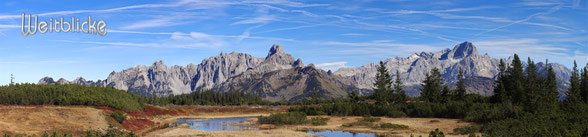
(69, 94)
(209, 97)
(525, 102)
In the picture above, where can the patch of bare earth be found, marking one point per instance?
(29, 120)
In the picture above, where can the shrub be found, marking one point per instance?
(369, 119)
(392, 126)
(288, 118)
(436, 133)
(467, 129)
(317, 121)
(396, 113)
(119, 117)
(434, 121)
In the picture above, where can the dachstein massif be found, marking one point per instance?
(280, 76)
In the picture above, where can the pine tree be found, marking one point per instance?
(11, 79)
(515, 89)
(573, 94)
(461, 88)
(584, 84)
(401, 94)
(432, 86)
(500, 94)
(353, 96)
(531, 87)
(382, 84)
(446, 94)
(551, 95)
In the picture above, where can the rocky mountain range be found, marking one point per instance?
(480, 71)
(279, 76)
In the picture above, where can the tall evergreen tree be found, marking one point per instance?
(584, 84)
(432, 86)
(446, 94)
(574, 96)
(550, 94)
(461, 87)
(500, 94)
(382, 84)
(515, 89)
(400, 93)
(531, 87)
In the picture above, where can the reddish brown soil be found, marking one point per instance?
(135, 124)
(151, 111)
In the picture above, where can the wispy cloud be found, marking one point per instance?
(354, 34)
(40, 62)
(98, 11)
(256, 20)
(527, 46)
(2, 26)
(437, 11)
(554, 9)
(377, 47)
(333, 66)
(219, 36)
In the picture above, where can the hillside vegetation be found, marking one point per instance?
(70, 94)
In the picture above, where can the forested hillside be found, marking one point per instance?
(69, 94)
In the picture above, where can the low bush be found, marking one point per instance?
(436, 133)
(369, 119)
(119, 117)
(288, 118)
(392, 126)
(318, 121)
(467, 129)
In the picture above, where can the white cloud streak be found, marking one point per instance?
(554, 9)
(333, 66)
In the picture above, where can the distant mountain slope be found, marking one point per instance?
(279, 76)
(479, 70)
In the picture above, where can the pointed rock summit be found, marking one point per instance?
(463, 50)
(276, 50)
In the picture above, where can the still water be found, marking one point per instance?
(218, 124)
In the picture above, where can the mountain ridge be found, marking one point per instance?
(279, 76)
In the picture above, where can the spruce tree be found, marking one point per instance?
(515, 89)
(551, 94)
(432, 86)
(382, 84)
(584, 84)
(461, 87)
(400, 93)
(446, 94)
(531, 87)
(500, 94)
(573, 94)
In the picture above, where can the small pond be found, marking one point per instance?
(218, 124)
(327, 133)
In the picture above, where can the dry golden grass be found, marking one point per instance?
(28, 120)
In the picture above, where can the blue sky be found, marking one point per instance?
(329, 34)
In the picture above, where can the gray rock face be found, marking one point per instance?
(290, 84)
(159, 80)
(279, 76)
(479, 70)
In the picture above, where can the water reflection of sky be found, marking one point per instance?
(216, 124)
(340, 134)
(219, 124)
